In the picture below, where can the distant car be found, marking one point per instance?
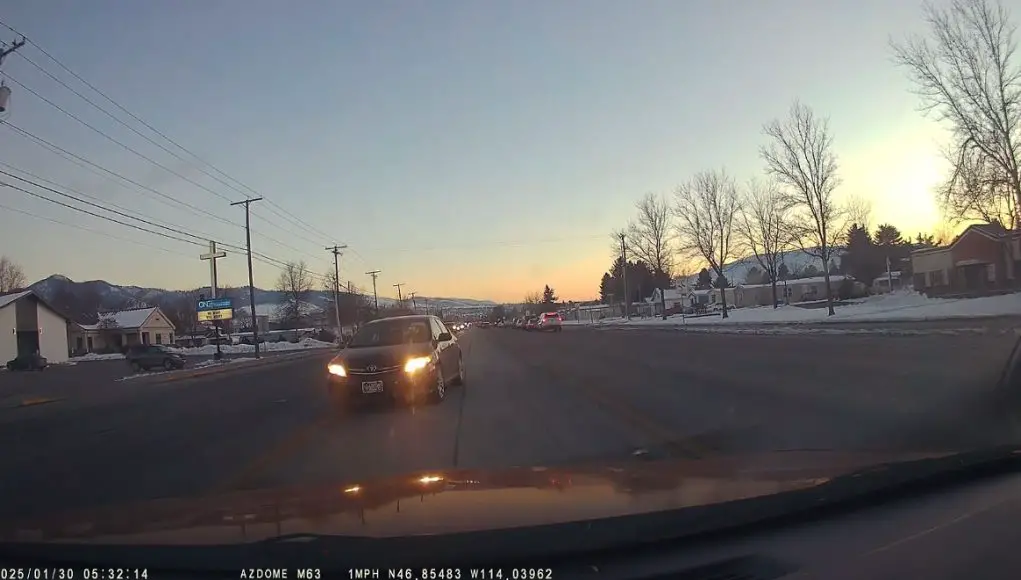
(404, 357)
(550, 322)
(143, 357)
(531, 323)
(27, 362)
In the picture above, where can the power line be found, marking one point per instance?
(282, 212)
(96, 232)
(170, 198)
(114, 140)
(96, 205)
(193, 208)
(108, 218)
(199, 239)
(275, 208)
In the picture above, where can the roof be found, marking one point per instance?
(11, 298)
(993, 232)
(796, 281)
(134, 318)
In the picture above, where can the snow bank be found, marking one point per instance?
(304, 344)
(896, 307)
(210, 349)
(198, 365)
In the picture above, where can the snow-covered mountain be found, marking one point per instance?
(107, 296)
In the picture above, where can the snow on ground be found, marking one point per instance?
(304, 344)
(210, 349)
(198, 365)
(895, 307)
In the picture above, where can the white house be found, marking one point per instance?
(28, 324)
(116, 330)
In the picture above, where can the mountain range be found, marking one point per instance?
(107, 296)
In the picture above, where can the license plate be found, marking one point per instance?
(372, 387)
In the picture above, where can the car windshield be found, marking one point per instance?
(391, 333)
(768, 241)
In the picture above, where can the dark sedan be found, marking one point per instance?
(401, 358)
(27, 362)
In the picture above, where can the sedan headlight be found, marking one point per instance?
(337, 369)
(416, 364)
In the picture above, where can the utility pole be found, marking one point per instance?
(5, 91)
(213, 256)
(414, 305)
(375, 296)
(623, 269)
(10, 49)
(400, 299)
(336, 251)
(251, 280)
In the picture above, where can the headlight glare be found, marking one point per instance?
(416, 364)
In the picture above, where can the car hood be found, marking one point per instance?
(448, 502)
(385, 353)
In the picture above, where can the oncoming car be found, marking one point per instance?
(402, 358)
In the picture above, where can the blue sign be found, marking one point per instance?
(215, 304)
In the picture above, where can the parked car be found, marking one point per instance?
(549, 321)
(397, 358)
(28, 362)
(531, 323)
(143, 357)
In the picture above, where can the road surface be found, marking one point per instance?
(531, 399)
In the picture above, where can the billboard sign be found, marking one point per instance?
(215, 309)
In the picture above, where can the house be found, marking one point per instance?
(983, 258)
(28, 324)
(790, 291)
(676, 300)
(117, 330)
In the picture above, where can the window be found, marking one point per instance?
(159, 338)
(437, 328)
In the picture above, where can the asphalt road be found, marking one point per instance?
(61, 381)
(531, 399)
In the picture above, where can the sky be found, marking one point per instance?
(464, 149)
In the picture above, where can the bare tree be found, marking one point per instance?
(12, 277)
(532, 301)
(967, 76)
(800, 157)
(764, 226)
(295, 283)
(650, 238)
(706, 208)
(858, 210)
(974, 191)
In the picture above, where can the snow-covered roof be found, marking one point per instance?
(796, 281)
(123, 319)
(11, 298)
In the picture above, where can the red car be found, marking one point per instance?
(550, 321)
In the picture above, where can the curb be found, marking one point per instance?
(226, 368)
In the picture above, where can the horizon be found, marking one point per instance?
(494, 114)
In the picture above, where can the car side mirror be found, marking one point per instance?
(444, 337)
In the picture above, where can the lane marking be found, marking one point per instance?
(32, 401)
